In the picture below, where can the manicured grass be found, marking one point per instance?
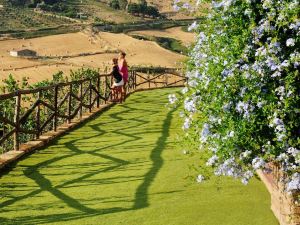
(124, 167)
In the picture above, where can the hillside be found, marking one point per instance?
(80, 43)
(96, 11)
(15, 18)
(80, 50)
(18, 18)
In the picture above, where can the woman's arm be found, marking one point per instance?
(121, 64)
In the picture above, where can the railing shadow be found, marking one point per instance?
(141, 195)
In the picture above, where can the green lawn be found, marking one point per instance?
(124, 168)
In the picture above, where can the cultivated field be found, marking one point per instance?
(23, 18)
(175, 32)
(17, 18)
(84, 49)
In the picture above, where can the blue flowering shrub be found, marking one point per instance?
(241, 101)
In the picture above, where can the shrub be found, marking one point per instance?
(18, 2)
(143, 8)
(152, 11)
(123, 4)
(242, 97)
(114, 4)
(33, 3)
(133, 8)
(51, 2)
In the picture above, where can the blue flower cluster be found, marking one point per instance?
(242, 98)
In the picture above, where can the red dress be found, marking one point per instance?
(124, 71)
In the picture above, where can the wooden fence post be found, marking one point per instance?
(98, 89)
(55, 108)
(17, 122)
(70, 104)
(166, 80)
(3, 131)
(148, 76)
(38, 116)
(135, 80)
(81, 100)
(105, 89)
(90, 96)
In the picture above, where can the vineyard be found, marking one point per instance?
(14, 19)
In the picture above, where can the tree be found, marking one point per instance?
(51, 2)
(123, 4)
(143, 3)
(18, 2)
(133, 8)
(152, 11)
(33, 3)
(114, 4)
(142, 6)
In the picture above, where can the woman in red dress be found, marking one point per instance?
(123, 68)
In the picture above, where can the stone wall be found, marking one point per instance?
(284, 206)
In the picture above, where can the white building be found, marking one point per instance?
(23, 53)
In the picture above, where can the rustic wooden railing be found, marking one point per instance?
(26, 114)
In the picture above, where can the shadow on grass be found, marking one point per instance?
(141, 199)
(141, 195)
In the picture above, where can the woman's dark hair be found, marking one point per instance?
(115, 60)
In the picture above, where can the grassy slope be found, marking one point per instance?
(12, 19)
(19, 18)
(104, 12)
(124, 168)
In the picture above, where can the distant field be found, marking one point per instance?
(60, 45)
(99, 9)
(166, 8)
(78, 50)
(23, 22)
(175, 32)
(22, 18)
(162, 5)
(14, 19)
(174, 39)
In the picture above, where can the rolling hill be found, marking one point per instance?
(23, 18)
